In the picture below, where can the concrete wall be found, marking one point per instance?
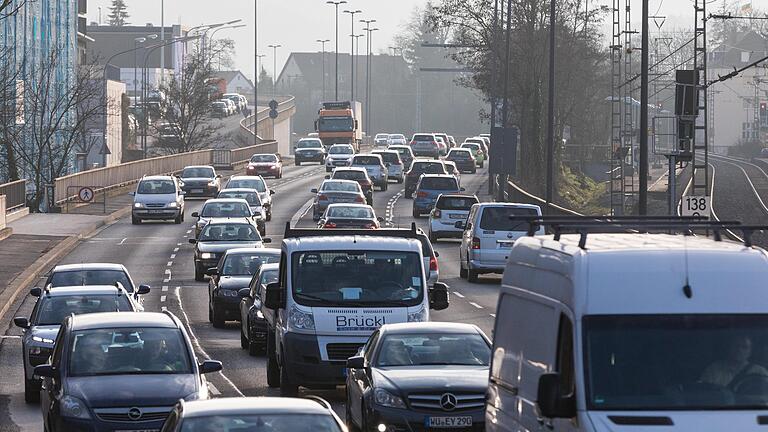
(114, 132)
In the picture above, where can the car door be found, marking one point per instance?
(51, 387)
(359, 380)
(246, 303)
(466, 237)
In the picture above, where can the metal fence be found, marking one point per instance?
(15, 194)
(517, 194)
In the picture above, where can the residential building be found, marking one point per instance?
(236, 82)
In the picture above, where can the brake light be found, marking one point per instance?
(437, 213)
(360, 199)
(329, 225)
(370, 226)
(422, 194)
(475, 243)
(322, 198)
(432, 264)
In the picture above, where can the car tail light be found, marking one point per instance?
(360, 199)
(437, 213)
(329, 225)
(432, 264)
(475, 243)
(422, 194)
(370, 226)
(322, 198)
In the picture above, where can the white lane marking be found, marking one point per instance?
(178, 244)
(189, 231)
(476, 305)
(165, 288)
(10, 337)
(458, 294)
(163, 309)
(173, 256)
(122, 241)
(301, 212)
(176, 249)
(196, 342)
(162, 298)
(213, 389)
(493, 315)
(170, 263)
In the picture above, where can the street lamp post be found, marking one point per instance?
(136, 42)
(213, 33)
(356, 58)
(323, 42)
(274, 69)
(337, 3)
(368, 32)
(352, 13)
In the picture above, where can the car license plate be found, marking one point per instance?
(505, 245)
(197, 191)
(138, 430)
(448, 422)
(155, 211)
(457, 216)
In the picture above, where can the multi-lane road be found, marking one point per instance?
(160, 255)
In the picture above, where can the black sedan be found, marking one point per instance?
(419, 376)
(253, 326)
(219, 236)
(200, 181)
(234, 272)
(352, 216)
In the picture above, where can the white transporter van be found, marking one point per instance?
(632, 332)
(336, 288)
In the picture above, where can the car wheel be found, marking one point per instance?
(31, 394)
(462, 272)
(287, 387)
(218, 318)
(328, 169)
(210, 312)
(243, 340)
(472, 275)
(254, 348)
(179, 219)
(298, 163)
(182, 214)
(280, 175)
(199, 275)
(351, 426)
(482, 163)
(273, 370)
(384, 186)
(416, 213)
(269, 214)
(432, 237)
(474, 171)
(401, 180)
(135, 220)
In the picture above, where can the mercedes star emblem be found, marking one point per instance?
(448, 402)
(134, 414)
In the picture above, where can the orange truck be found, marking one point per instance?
(340, 123)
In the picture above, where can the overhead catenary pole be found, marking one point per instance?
(162, 39)
(551, 108)
(256, 71)
(494, 82)
(370, 79)
(336, 4)
(643, 183)
(505, 102)
(352, 13)
(367, 116)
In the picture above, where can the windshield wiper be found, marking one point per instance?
(316, 298)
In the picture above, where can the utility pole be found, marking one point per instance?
(256, 71)
(366, 111)
(323, 42)
(551, 108)
(352, 13)
(162, 39)
(337, 3)
(274, 69)
(505, 103)
(643, 192)
(356, 58)
(494, 81)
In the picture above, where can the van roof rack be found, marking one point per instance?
(384, 232)
(584, 225)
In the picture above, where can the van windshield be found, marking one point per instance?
(498, 218)
(676, 362)
(357, 278)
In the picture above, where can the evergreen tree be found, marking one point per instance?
(118, 13)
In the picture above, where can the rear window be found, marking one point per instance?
(438, 183)
(428, 168)
(498, 218)
(458, 154)
(366, 160)
(472, 146)
(456, 203)
(426, 246)
(429, 138)
(390, 157)
(349, 175)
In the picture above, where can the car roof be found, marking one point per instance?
(157, 177)
(237, 190)
(270, 266)
(455, 195)
(512, 205)
(366, 206)
(88, 266)
(338, 242)
(341, 169)
(249, 251)
(424, 176)
(459, 150)
(254, 405)
(122, 320)
(429, 327)
(229, 221)
(243, 176)
(367, 155)
(225, 200)
(387, 151)
(83, 290)
(198, 166)
(339, 181)
(425, 160)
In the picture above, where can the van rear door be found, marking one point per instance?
(497, 233)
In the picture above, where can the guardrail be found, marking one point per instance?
(285, 103)
(520, 195)
(15, 194)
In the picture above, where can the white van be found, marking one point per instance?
(633, 332)
(336, 288)
(489, 233)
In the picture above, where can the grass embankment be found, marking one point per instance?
(582, 194)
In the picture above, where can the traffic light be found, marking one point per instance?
(763, 114)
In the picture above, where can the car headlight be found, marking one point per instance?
(207, 255)
(418, 316)
(74, 408)
(138, 205)
(259, 315)
(387, 399)
(173, 205)
(42, 340)
(300, 320)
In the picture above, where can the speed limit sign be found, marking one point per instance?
(696, 205)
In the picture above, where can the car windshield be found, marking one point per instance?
(676, 362)
(366, 160)
(261, 423)
(229, 233)
(53, 310)
(226, 209)
(382, 136)
(269, 276)
(473, 147)
(335, 124)
(428, 168)
(201, 172)
(455, 203)
(390, 157)
(264, 158)
(247, 183)
(349, 175)
(339, 186)
(246, 264)
(498, 218)
(156, 187)
(314, 143)
(357, 278)
(459, 349)
(397, 137)
(252, 198)
(341, 150)
(350, 212)
(438, 183)
(90, 277)
(403, 151)
(128, 351)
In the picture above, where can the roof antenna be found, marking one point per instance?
(687, 290)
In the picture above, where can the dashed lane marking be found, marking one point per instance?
(458, 294)
(214, 391)
(122, 241)
(493, 315)
(163, 309)
(476, 305)
(189, 231)
(162, 299)
(10, 337)
(165, 288)
(170, 263)
(173, 256)
(176, 249)
(303, 210)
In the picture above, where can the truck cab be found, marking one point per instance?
(337, 287)
(340, 123)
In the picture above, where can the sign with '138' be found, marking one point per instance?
(696, 206)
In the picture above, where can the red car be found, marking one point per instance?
(265, 165)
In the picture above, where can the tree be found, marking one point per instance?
(12, 115)
(118, 14)
(265, 82)
(222, 54)
(187, 109)
(9, 8)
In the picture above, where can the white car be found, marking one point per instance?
(449, 209)
(339, 155)
(397, 139)
(381, 140)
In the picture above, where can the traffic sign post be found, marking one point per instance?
(85, 194)
(273, 104)
(696, 206)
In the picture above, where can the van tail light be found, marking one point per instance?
(437, 213)
(432, 264)
(370, 226)
(475, 243)
(322, 198)
(329, 225)
(422, 194)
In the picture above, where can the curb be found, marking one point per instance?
(34, 271)
(5, 233)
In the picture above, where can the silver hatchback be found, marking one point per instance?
(158, 198)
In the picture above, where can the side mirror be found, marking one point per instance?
(357, 362)
(132, 193)
(315, 125)
(212, 272)
(460, 225)
(143, 289)
(182, 193)
(209, 366)
(46, 371)
(218, 176)
(438, 296)
(266, 240)
(463, 189)
(195, 215)
(35, 292)
(244, 292)
(314, 190)
(380, 219)
(21, 322)
(271, 192)
(550, 399)
(273, 297)
(192, 241)
(437, 254)
(327, 177)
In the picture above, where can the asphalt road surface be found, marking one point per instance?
(159, 254)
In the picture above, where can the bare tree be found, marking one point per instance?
(57, 111)
(8, 8)
(187, 108)
(222, 54)
(12, 116)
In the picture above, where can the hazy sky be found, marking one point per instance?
(297, 24)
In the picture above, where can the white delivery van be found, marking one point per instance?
(633, 332)
(336, 288)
